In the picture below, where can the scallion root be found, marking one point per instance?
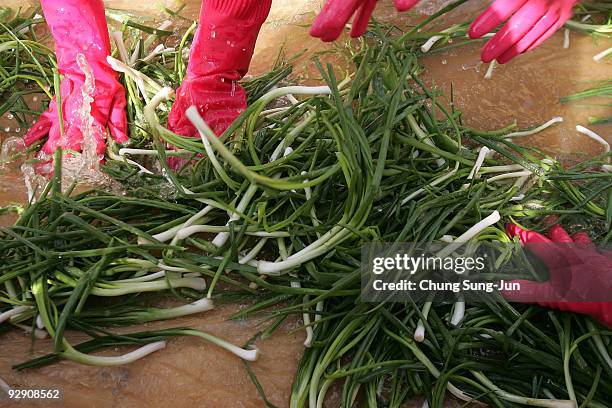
(245, 354)
(556, 119)
(523, 400)
(105, 361)
(598, 57)
(489, 73)
(17, 310)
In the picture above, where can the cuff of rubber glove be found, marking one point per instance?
(604, 314)
(226, 36)
(600, 311)
(255, 11)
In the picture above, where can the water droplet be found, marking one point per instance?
(35, 99)
(17, 130)
(9, 116)
(450, 40)
(7, 129)
(10, 147)
(444, 62)
(213, 34)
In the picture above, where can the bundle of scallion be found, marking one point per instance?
(278, 209)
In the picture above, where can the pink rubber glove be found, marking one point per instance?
(336, 13)
(577, 271)
(220, 56)
(81, 42)
(530, 23)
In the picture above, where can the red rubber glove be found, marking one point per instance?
(336, 13)
(81, 42)
(577, 271)
(530, 23)
(220, 56)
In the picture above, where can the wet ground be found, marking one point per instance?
(187, 373)
(191, 373)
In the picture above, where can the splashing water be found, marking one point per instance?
(34, 177)
(87, 121)
(10, 149)
(34, 182)
(81, 168)
(85, 167)
(476, 67)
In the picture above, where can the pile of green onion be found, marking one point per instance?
(275, 212)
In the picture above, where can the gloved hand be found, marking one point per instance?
(82, 45)
(220, 56)
(577, 272)
(336, 13)
(530, 23)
